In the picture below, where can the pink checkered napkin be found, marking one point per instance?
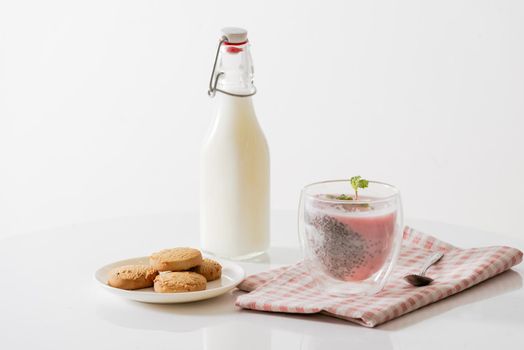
(290, 289)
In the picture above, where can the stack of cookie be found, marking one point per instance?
(173, 270)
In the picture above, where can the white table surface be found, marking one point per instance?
(50, 300)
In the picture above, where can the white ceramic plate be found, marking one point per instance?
(232, 275)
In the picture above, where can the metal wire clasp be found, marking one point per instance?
(213, 81)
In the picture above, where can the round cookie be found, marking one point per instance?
(132, 277)
(179, 282)
(210, 269)
(176, 259)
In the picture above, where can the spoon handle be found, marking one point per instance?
(431, 260)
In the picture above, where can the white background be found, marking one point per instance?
(103, 104)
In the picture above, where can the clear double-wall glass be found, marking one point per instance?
(350, 246)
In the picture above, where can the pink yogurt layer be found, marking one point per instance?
(350, 246)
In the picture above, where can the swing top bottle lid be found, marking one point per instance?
(232, 72)
(235, 35)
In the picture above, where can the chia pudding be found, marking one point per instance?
(349, 242)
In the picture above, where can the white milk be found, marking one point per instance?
(234, 175)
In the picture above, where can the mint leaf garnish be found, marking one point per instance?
(344, 197)
(358, 182)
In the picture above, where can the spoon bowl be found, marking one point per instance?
(418, 280)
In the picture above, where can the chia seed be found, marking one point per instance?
(338, 248)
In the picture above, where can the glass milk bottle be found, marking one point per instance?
(234, 167)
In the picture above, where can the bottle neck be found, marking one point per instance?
(235, 69)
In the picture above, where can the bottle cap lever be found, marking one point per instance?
(213, 81)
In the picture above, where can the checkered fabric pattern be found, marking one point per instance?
(290, 289)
